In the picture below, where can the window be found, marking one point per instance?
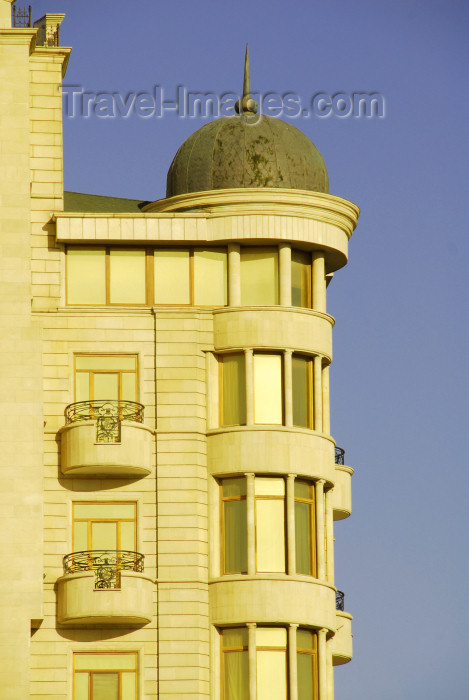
(273, 680)
(305, 545)
(270, 524)
(307, 664)
(106, 377)
(301, 279)
(105, 676)
(104, 525)
(233, 389)
(234, 526)
(259, 276)
(270, 520)
(302, 393)
(235, 664)
(268, 393)
(135, 276)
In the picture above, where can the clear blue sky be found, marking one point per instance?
(400, 372)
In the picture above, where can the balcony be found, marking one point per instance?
(342, 641)
(342, 493)
(106, 439)
(104, 588)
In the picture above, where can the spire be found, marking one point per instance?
(247, 105)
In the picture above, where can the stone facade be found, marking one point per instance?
(171, 467)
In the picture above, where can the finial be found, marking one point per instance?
(247, 105)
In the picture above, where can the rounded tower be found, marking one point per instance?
(276, 480)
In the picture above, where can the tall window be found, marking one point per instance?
(107, 275)
(259, 276)
(234, 526)
(104, 525)
(233, 389)
(272, 674)
(307, 664)
(301, 278)
(268, 394)
(305, 528)
(270, 524)
(105, 377)
(270, 520)
(235, 664)
(302, 391)
(105, 676)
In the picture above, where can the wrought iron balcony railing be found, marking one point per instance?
(107, 565)
(21, 16)
(339, 455)
(107, 414)
(339, 600)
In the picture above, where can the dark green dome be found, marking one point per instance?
(247, 150)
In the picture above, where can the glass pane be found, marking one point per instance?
(129, 686)
(300, 278)
(106, 661)
(300, 381)
(110, 362)
(303, 538)
(305, 639)
(82, 386)
(129, 388)
(270, 536)
(234, 390)
(231, 488)
(86, 276)
(103, 536)
(305, 676)
(265, 486)
(172, 278)
(271, 637)
(128, 536)
(235, 637)
(81, 686)
(268, 389)
(80, 537)
(235, 537)
(236, 675)
(302, 489)
(105, 386)
(259, 277)
(271, 675)
(105, 686)
(210, 279)
(127, 277)
(111, 511)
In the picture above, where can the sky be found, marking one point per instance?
(399, 379)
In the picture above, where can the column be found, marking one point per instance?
(317, 392)
(320, 528)
(292, 661)
(291, 544)
(234, 275)
(330, 670)
(319, 282)
(329, 538)
(326, 415)
(252, 660)
(250, 524)
(249, 362)
(322, 663)
(285, 274)
(287, 374)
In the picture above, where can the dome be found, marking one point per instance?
(247, 150)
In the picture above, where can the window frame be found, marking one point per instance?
(110, 371)
(221, 389)
(309, 360)
(258, 353)
(223, 500)
(311, 502)
(92, 520)
(89, 672)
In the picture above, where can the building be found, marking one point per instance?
(169, 479)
